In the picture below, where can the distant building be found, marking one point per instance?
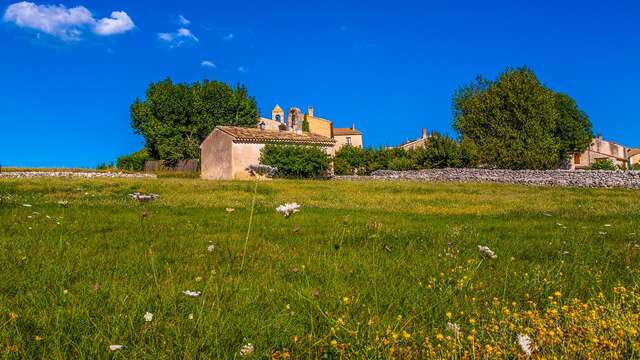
(347, 136)
(295, 117)
(228, 151)
(633, 156)
(417, 143)
(601, 149)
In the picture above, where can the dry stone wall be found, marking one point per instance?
(564, 178)
(86, 175)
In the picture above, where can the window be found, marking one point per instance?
(348, 140)
(278, 118)
(576, 158)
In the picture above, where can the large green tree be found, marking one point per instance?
(516, 122)
(175, 118)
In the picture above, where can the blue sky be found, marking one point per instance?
(69, 74)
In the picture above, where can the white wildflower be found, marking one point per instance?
(602, 233)
(288, 209)
(211, 248)
(63, 202)
(148, 316)
(454, 328)
(192, 293)
(486, 252)
(65, 291)
(198, 278)
(26, 205)
(116, 347)
(559, 224)
(246, 349)
(139, 197)
(607, 225)
(525, 344)
(190, 316)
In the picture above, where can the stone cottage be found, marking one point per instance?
(601, 149)
(228, 151)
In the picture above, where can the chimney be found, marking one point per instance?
(310, 111)
(353, 126)
(424, 133)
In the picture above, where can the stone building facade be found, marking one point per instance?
(601, 149)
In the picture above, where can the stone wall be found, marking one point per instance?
(566, 178)
(73, 174)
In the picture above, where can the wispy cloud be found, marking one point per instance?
(242, 69)
(208, 64)
(67, 24)
(228, 37)
(183, 20)
(181, 37)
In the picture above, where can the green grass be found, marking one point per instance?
(86, 282)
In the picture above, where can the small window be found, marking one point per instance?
(576, 158)
(278, 118)
(348, 140)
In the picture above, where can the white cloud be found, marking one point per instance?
(228, 37)
(242, 69)
(118, 23)
(66, 24)
(183, 20)
(208, 64)
(166, 36)
(181, 37)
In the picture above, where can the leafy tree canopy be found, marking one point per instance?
(174, 119)
(518, 123)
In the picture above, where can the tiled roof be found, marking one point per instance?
(346, 131)
(633, 152)
(262, 136)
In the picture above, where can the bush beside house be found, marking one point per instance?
(296, 161)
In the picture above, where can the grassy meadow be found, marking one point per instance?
(364, 270)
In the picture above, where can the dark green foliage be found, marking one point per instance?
(574, 128)
(175, 118)
(603, 164)
(516, 122)
(636, 166)
(305, 124)
(350, 160)
(402, 164)
(294, 161)
(104, 166)
(439, 152)
(133, 162)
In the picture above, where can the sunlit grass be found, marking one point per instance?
(365, 269)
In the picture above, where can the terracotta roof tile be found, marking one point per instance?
(346, 131)
(261, 136)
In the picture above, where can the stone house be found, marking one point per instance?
(417, 143)
(228, 151)
(601, 149)
(633, 156)
(317, 125)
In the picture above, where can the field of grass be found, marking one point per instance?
(364, 270)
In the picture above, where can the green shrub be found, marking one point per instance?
(350, 160)
(294, 161)
(603, 164)
(105, 166)
(636, 166)
(402, 164)
(439, 152)
(133, 162)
